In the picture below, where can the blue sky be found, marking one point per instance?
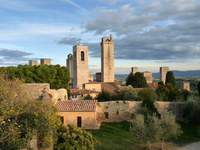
(147, 34)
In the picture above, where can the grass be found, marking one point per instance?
(116, 136)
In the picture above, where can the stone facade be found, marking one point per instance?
(93, 86)
(186, 85)
(33, 62)
(148, 77)
(70, 65)
(163, 72)
(80, 66)
(45, 61)
(81, 113)
(116, 111)
(107, 59)
(134, 70)
(98, 76)
(90, 76)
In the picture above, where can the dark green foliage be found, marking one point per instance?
(185, 94)
(104, 96)
(137, 80)
(192, 112)
(125, 95)
(88, 97)
(55, 75)
(148, 97)
(198, 88)
(71, 138)
(170, 78)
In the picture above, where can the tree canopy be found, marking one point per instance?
(55, 75)
(137, 80)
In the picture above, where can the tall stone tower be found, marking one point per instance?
(134, 70)
(107, 59)
(45, 61)
(70, 65)
(163, 72)
(33, 62)
(80, 66)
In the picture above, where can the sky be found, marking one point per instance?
(147, 33)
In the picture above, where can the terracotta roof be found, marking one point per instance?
(110, 87)
(77, 106)
(81, 91)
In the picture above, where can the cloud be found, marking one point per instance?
(167, 30)
(13, 57)
(69, 40)
(112, 2)
(75, 5)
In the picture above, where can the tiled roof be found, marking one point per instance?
(110, 87)
(77, 106)
(81, 91)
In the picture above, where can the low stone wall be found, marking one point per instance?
(116, 111)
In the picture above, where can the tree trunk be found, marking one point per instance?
(162, 145)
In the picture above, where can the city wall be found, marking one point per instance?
(116, 111)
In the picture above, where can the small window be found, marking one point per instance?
(82, 56)
(106, 115)
(62, 119)
(79, 122)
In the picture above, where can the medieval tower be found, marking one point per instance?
(107, 59)
(163, 72)
(80, 66)
(70, 65)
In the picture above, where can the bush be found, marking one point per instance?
(72, 138)
(88, 97)
(151, 129)
(137, 80)
(104, 96)
(125, 95)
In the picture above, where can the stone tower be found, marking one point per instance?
(148, 77)
(186, 85)
(163, 72)
(70, 65)
(107, 59)
(134, 70)
(33, 62)
(80, 66)
(45, 61)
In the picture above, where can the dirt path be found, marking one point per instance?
(192, 146)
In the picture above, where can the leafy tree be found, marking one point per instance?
(151, 129)
(55, 75)
(137, 80)
(88, 97)
(21, 118)
(198, 88)
(125, 95)
(170, 78)
(104, 96)
(148, 97)
(71, 138)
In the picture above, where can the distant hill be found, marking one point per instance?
(189, 73)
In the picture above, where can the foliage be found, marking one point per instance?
(55, 75)
(198, 88)
(71, 138)
(137, 80)
(125, 95)
(21, 118)
(170, 78)
(88, 97)
(185, 94)
(192, 110)
(104, 96)
(151, 129)
(148, 96)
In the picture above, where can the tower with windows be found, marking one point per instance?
(80, 65)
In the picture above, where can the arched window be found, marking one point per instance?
(82, 56)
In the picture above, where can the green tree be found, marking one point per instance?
(71, 138)
(170, 78)
(148, 97)
(137, 80)
(21, 118)
(151, 129)
(198, 87)
(104, 96)
(87, 97)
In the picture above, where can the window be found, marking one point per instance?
(79, 122)
(62, 119)
(106, 115)
(82, 56)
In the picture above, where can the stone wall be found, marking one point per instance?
(116, 111)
